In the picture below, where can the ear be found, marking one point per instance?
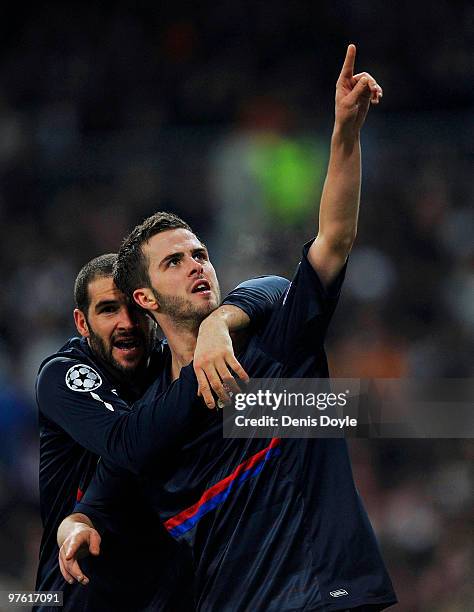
(81, 323)
(145, 299)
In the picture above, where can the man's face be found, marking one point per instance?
(119, 333)
(183, 279)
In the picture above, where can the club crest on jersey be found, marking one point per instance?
(83, 378)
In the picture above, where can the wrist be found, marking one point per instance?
(218, 318)
(70, 527)
(80, 527)
(345, 137)
(227, 317)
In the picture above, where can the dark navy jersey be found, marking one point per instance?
(86, 411)
(80, 402)
(273, 525)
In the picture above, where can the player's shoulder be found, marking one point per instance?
(70, 382)
(74, 373)
(74, 348)
(263, 282)
(71, 366)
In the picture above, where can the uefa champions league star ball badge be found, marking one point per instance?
(83, 378)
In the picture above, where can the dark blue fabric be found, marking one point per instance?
(72, 426)
(295, 532)
(257, 297)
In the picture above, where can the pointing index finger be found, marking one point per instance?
(349, 62)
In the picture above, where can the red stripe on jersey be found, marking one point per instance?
(220, 486)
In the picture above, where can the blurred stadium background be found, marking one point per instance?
(222, 112)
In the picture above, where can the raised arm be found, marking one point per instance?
(339, 209)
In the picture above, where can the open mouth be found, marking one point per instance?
(201, 287)
(127, 345)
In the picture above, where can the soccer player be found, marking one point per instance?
(86, 393)
(273, 525)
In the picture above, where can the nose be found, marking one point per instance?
(195, 268)
(127, 319)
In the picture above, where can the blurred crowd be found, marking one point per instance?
(222, 113)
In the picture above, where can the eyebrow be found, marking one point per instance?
(171, 256)
(180, 254)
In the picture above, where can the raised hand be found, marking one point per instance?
(354, 94)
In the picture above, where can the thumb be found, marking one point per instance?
(94, 543)
(361, 90)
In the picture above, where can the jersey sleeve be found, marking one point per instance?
(300, 320)
(103, 423)
(105, 495)
(258, 296)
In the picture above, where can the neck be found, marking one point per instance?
(182, 342)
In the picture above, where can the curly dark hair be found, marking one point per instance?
(131, 267)
(99, 267)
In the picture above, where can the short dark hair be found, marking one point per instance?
(131, 267)
(99, 267)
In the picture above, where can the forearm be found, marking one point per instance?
(339, 209)
(104, 424)
(155, 424)
(72, 523)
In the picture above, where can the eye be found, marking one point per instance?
(200, 256)
(108, 309)
(174, 261)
